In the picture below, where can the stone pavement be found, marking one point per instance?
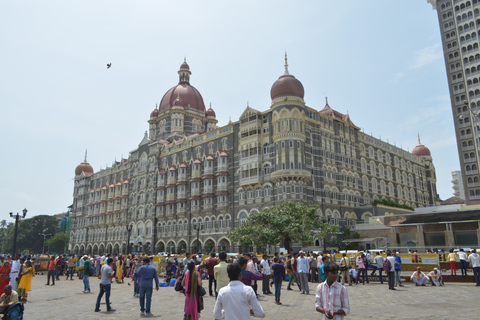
(65, 300)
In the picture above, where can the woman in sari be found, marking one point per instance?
(191, 281)
(120, 270)
(25, 284)
(4, 276)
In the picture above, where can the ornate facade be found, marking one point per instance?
(190, 181)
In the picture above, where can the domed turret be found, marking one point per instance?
(84, 167)
(287, 85)
(187, 95)
(210, 112)
(421, 150)
(154, 113)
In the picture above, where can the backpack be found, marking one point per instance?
(178, 283)
(387, 266)
(289, 264)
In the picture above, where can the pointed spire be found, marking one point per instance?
(419, 143)
(286, 64)
(248, 104)
(185, 59)
(85, 156)
(326, 100)
(210, 105)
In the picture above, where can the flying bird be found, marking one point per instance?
(109, 65)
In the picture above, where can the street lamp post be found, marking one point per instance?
(129, 228)
(44, 237)
(17, 217)
(198, 227)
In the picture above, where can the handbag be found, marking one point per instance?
(201, 291)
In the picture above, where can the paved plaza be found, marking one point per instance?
(65, 300)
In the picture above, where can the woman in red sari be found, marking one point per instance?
(4, 276)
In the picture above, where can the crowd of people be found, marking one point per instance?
(234, 281)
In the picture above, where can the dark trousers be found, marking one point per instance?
(391, 279)
(265, 284)
(211, 280)
(463, 267)
(278, 289)
(51, 273)
(476, 274)
(104, 288)
(363, 273)
(255, 287)
(59, 272)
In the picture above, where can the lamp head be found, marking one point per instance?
(11, 214)
(24, 212)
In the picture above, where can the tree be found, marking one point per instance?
(58, 242)
(28, 239)
(346, 234)
(287, 223)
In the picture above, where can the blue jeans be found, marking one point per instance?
(145, 291)
(397, 276)
(364, 274)
(58, 270)
(70, 272)
(136, 287)
(278, 289)
(104, 288)
(463, 267)
(476, 274)
(293, 275)
(86, 283)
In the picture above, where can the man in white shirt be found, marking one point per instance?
(234, 301)
(105, 285)
(391, 272)
(14, 272)
(303, 268)
(474, 260)
(266, 274)
(463, 261)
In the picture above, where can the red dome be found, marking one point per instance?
(185, 66)
(421, 151)
(84, 167)
(189, 96)
(287, 85)
(154, 114)
(210, 113)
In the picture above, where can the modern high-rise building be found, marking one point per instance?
(189, 180)
(459, 22)
(458, 190)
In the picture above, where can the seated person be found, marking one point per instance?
(7, 299)
(436, 277)
(353, 275)
(419, 277)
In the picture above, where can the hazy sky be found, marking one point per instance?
(380, 61)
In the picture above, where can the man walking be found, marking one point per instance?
(390, 271)
(105, 285)
(234, 300)
(292, 266)
(398, 264)
(220, 273)
(303, 272)
(379, 263)
(462, 256)
(147, 273)
(72, 262)
(474, 260)
(86, 269)
(266, 274)
(344, 264)
(278, 272)
(210, 264)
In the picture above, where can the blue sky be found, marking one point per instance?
(380, 61)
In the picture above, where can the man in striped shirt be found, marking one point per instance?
(331, 297)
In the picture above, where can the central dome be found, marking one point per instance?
(287, 85)
(183, 94)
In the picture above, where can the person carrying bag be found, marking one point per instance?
(344, 263)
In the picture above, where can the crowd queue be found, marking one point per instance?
(234, 281)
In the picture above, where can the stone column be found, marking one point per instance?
(419, 236)
(449, 237)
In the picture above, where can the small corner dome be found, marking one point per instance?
(84, 167)
(210, 113)
(154, 114)
(184, 66)
(421, 151)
